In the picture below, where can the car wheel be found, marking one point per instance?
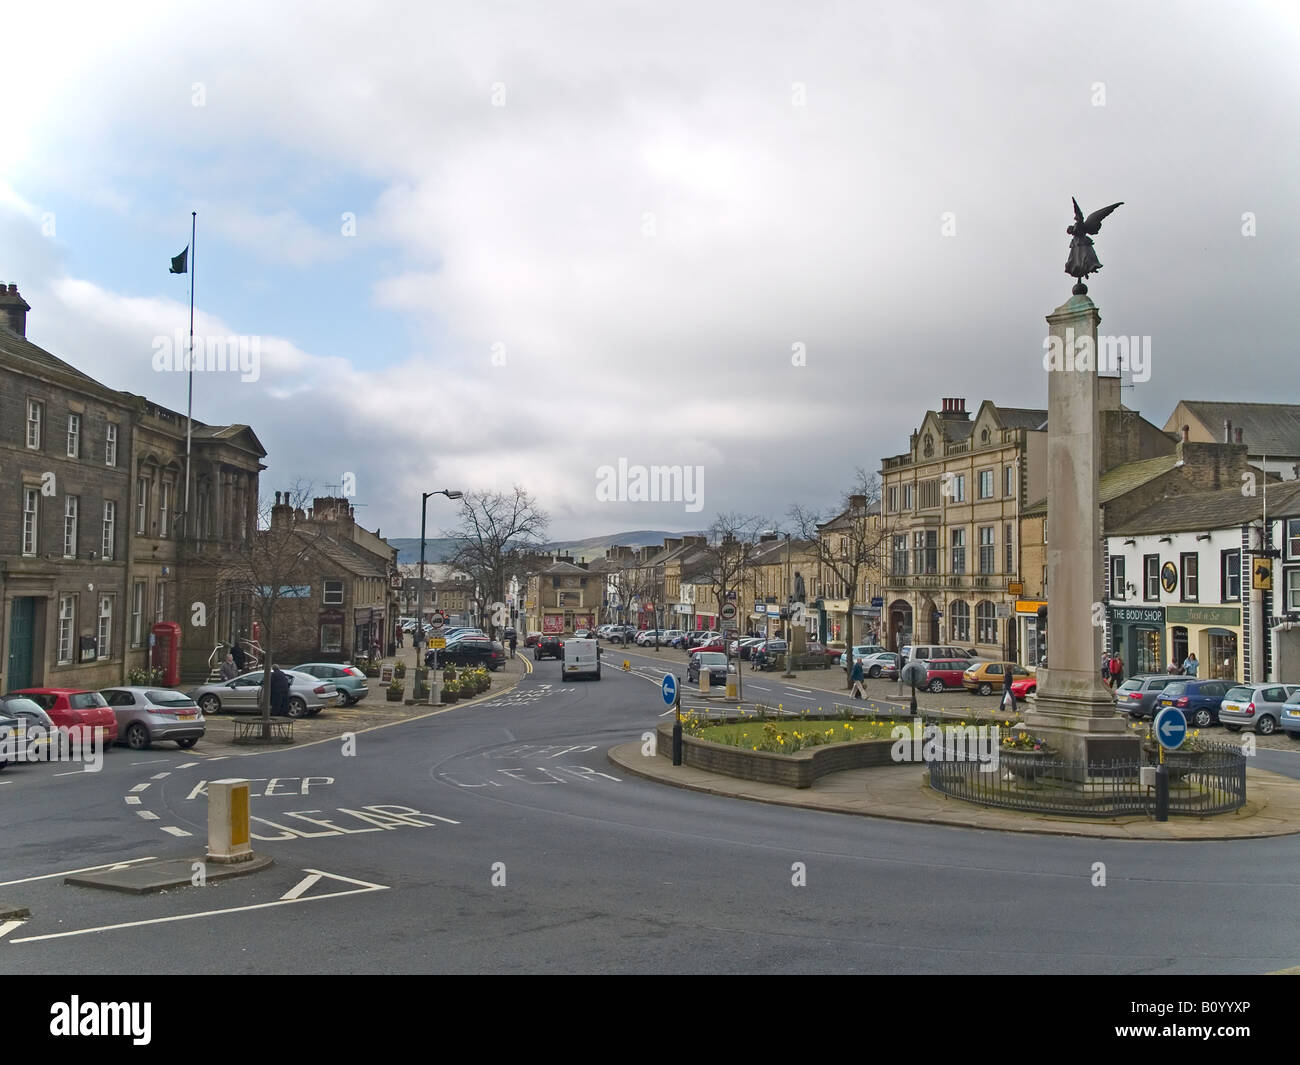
(137, 737)
(187, 743)
(297, 708)
(210, 704)
(986, 689)
(1202, 719)
(874, 672)
(936, 686)
(1265, 726)
(345, 699)
(1233, 728)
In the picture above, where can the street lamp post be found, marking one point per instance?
(419, 620)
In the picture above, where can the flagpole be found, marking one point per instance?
(189, 410)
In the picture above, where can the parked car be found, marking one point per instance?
(1257, 707)
(1290, 722)
(548, 646)
(147, 715)
(860, 651)
(470, 651)
(1198, 700)
(1024, 686)
(925, 652)
(985, 677)
(763, 656)
(75, 709)
(38, 725)
(581, 659)
(943, 673)
(583, 634)
(1137, 695)
(716, 643)
(308, 695)
(742, 647)
(714, 661)
(350, 681)
(880, 664)
(531, 639)
(622, 634)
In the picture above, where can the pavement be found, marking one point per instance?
(374, 711)
(900, 793)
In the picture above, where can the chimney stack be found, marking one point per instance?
(1187, 432)
(14, 308)
(1238, 437)
(1227, 431)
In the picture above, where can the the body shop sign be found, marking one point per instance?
(1138, 615)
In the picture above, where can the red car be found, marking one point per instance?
(75, 708)
(1024, 686)
(944, 673)
(715, 644)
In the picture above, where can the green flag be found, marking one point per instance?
(178, 263)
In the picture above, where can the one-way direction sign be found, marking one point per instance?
(1171, 728)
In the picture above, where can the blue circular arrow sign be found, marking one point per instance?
(669, 687)
(1170, 728)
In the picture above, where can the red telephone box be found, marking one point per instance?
(166, 651)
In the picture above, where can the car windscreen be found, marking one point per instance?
(1176, 688)
(1130, 686)
(21, 705)
(1239, 694)
(86, 700)
(712, 658)
(169, 698)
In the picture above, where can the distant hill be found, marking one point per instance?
(439, 549)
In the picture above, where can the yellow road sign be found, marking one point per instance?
(438, 643)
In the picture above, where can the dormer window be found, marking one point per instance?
(984, 436)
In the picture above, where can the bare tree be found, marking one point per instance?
(495, 533)
(274, 563)
(848, 544)
(728, 555)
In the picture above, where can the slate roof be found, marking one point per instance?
(1120, 480)
(1020, 417)
(20, 348)
(1194, 511)
(1267, 428)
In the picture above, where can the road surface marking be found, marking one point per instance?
(148, 815)
(70, 872)
(363, 890)
(801, 691)
(175, 831)
(299, 888)
(152, 761)
(159, 776)
(9, 926)
(73, 773)
(140, 787)
(131, 800)
(187, 765)
(757, 687)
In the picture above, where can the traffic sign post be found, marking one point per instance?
(1171, 729)
(435, 686)
(673, 697)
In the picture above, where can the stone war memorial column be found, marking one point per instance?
(1075, 711)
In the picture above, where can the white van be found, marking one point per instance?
(581, 659)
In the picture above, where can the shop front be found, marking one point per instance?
(1213, 633)
(1138, 638)
(1027, 629)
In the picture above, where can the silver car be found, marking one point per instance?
(308, 695)
(147, 715)
(34, 727)
(1255, 706)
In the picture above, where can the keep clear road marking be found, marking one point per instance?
(70, 872)
(364, 888)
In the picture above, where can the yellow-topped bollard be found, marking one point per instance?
(228, 828)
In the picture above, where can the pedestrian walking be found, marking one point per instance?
(238, 654)
(857, 678)
(1190, 665)
(1008, 694)
(279, 691)
(399, 637)
(229, 671)
(514, 642)
(1116, 671)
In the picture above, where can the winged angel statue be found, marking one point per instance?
(1083, 260)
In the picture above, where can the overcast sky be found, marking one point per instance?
(640, 209)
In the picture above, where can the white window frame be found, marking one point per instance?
(159, 601)
(137, 614)
(104, 629)
(74, 436)
(67, 628)
(142, 506)
(110, 445)
(326, 593)
(1118, 577)
(1291, 586)
(164, 501)
(991, 546)
(35, 415)
(959, 488)
(109, 540)
(71, 511)
(1009, 481)
(958, 559)
(31, 521)
(986, 484)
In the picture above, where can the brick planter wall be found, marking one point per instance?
(797, 770)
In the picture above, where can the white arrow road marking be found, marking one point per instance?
(70, 872)
(364, 889)
(9, 926)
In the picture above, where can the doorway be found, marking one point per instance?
(22, 641)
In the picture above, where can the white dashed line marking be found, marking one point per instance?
(131, 800)
(140, 787)
(175, 831)
(148, 815)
